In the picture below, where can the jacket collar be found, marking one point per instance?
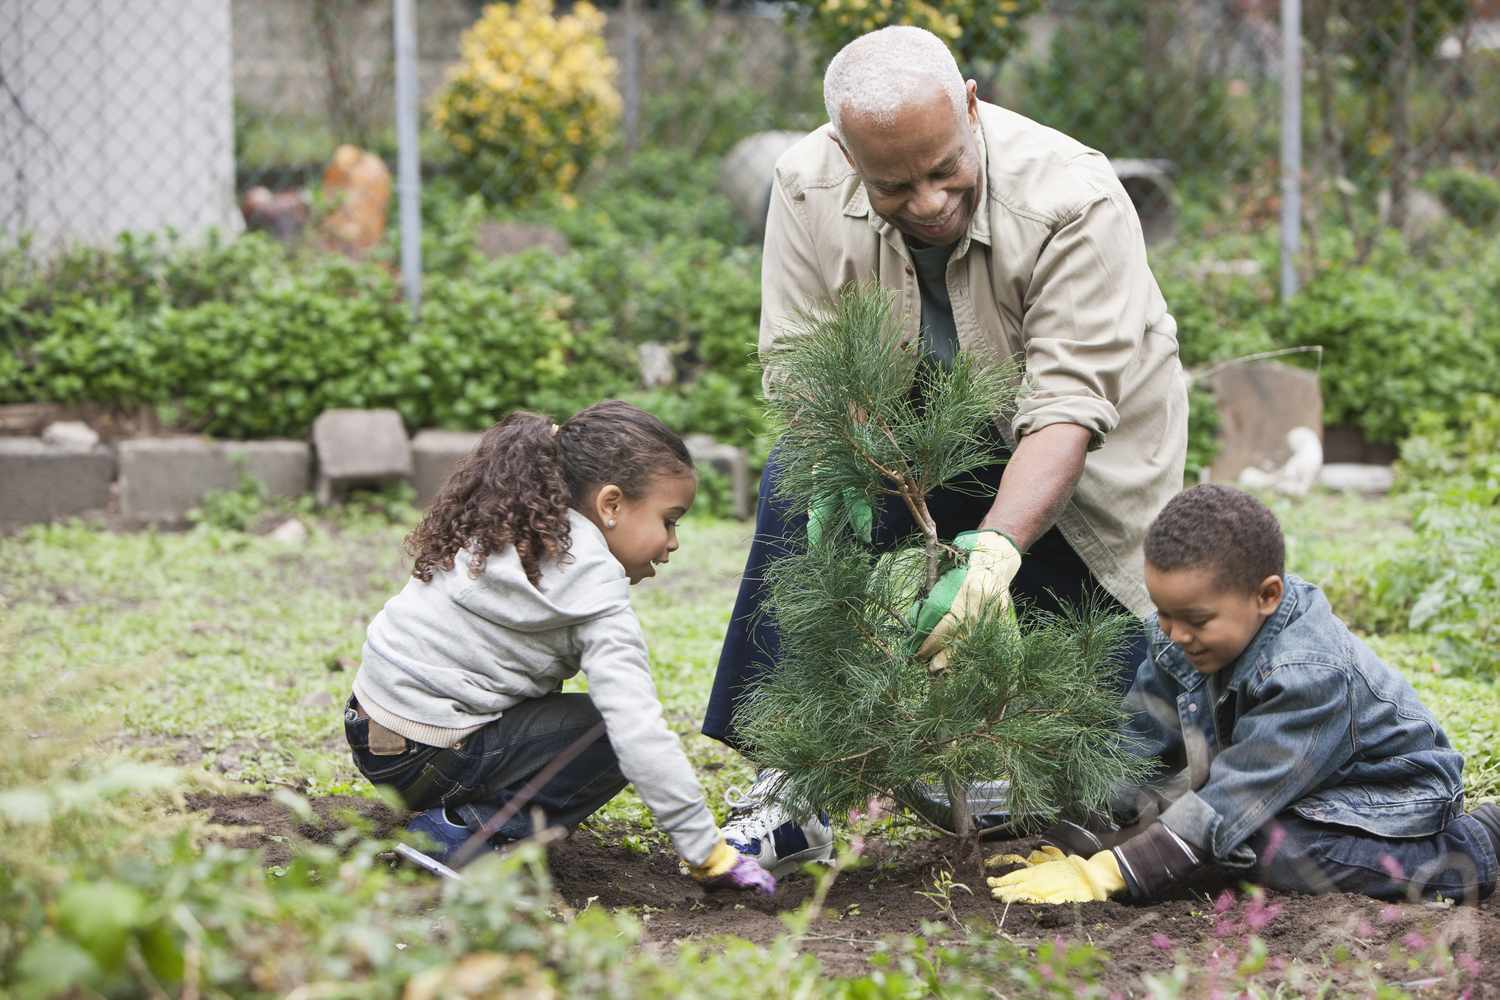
(1170, 659)
(858, 205)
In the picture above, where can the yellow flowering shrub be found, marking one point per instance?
(977, 31)
(532, 100)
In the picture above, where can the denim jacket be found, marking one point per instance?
(1307, 719)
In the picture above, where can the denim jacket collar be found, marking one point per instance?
(1171, 659)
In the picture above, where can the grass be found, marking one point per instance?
(230, 656)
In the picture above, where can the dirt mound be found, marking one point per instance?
(897, 888)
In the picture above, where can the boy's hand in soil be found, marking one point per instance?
(1072, 879)
(727, 868)
(993, 562)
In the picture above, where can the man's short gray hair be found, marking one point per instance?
(880, 73)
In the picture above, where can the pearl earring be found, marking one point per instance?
(610, 523)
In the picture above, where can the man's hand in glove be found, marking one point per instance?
(960, 592)
(823, 513)
(1039, 856)
(1073, 879)
(727, 868)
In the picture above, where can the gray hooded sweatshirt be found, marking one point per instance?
(444, 658)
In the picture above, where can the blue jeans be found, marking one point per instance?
(479, 776)
(1296, 855)
(1051, 574)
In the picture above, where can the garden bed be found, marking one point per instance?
(896, 891)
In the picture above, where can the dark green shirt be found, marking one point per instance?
(939, 333)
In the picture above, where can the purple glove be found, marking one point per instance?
(746, 873)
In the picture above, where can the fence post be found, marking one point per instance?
(408, 162)
(632, 81)
(1291, 143)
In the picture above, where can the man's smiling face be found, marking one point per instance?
(921, 167)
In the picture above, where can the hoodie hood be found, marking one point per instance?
(586, 583)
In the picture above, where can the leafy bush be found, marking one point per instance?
(1472, 198)
(977, 32)
(1393, 346)
(1111, 81)
(532, 101)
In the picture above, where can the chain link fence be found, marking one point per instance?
(147, 114)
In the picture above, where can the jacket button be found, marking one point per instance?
(1192, 708)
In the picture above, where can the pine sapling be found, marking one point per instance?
(850, 711)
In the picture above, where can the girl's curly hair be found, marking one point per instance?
(516, 487)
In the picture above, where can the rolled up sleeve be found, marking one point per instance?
(1084, 318)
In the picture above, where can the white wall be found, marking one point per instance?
(115, 116)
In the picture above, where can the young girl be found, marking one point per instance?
(520, 580)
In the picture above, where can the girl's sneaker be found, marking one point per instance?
(758, 827)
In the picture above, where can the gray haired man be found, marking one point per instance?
(1000, 238)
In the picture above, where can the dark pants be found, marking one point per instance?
(477, 778)
(1295, 855)
(1051, 573)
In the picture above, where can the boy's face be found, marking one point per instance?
(1210, 622)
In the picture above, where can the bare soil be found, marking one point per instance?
(883, 897)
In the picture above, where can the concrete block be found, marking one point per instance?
(1357, 477)
(434, 455)
(359, 448)
(282, 466)
(730, 462)
(161, 479)
(1259, 403)
(42, 483)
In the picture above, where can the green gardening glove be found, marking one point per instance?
(824, 512)
(986, 575)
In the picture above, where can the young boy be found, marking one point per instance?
(1288, 753)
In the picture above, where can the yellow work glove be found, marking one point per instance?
(1040, 856)
(1073, 879)
(993, 562)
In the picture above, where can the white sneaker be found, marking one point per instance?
(759, 827)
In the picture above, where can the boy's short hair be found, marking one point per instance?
(1219, 528)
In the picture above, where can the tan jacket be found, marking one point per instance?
(1053, 271)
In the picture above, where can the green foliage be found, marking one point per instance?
(1111, 82)
(981, 35)
(1393, 345)
(1472, 198)
(850, 711)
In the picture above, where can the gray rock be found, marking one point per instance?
(70, 435)
(434, 456)
(501, 239)
(1357, 477)
(656, 366)
(732, 463)
(359, 448)
(42, 483)
(289, 532)
(1259, 404)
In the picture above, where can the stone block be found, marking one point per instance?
(359, 448)
(730, 462)
(1259, 404)
(1357, 477)
(161, 479)
(42, 483)
(434, 455)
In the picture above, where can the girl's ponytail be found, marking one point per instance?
(512, 490)
(517, 486)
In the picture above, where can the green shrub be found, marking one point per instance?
(1393, 346)
(1472, 198)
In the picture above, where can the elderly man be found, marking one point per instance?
(1000, 237)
